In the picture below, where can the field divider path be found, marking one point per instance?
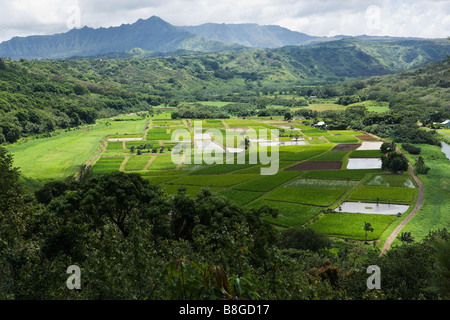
(152, 158)
(146, 128)
(420, 197)
(181, 163)
(124, 163)
(103, 146)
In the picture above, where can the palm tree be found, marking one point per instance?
(406, 237)
(245, 143)
(367, 227)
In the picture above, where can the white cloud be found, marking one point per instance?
(419, 18)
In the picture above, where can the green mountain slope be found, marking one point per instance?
(359, 58)
(423, 87)
(325, 62)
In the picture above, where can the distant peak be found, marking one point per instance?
(155, 18)
(152, 19)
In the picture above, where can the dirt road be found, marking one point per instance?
(416, 208)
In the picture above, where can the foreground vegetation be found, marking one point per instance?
(109, 224)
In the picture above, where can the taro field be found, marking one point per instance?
(304, 172)
(316, 170)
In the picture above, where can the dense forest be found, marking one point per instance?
(37, 98)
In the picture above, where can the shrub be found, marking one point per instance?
(303, 239)
(411, 148)
(394, 162)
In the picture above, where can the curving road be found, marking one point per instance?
(416, 208)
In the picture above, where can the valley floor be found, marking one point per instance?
(306, 190)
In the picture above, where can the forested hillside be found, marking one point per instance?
(418, 97)
(38, 97)
(299, 65)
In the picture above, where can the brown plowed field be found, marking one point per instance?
(346, 147)
(366, 137)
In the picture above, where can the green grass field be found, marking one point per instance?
(225, 180)
(290, 214)
(240, 197)
(434, 213)
(365, 154)
(374, 106)
(307, 153)
(62, 155)
(107, 165)
(344, 132)
(136, 163)
(383, 194)
(115, 145)
(317, 197)
(162, 162)
(266, 183)
(342, 139)
(222, 169)
(350, 225)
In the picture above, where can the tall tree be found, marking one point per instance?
(14, 210)
(387, 147)
(420, 166)
(15, 213)
(367, 227)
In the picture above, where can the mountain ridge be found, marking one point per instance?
(153, 34)
(250, 34)
(159, 37)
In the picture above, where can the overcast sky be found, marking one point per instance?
(416, 18)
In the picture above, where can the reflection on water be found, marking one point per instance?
(371, 208)
(364, 163)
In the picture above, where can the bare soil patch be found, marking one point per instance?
(316, 165)
(366, 137)
(346, 147)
